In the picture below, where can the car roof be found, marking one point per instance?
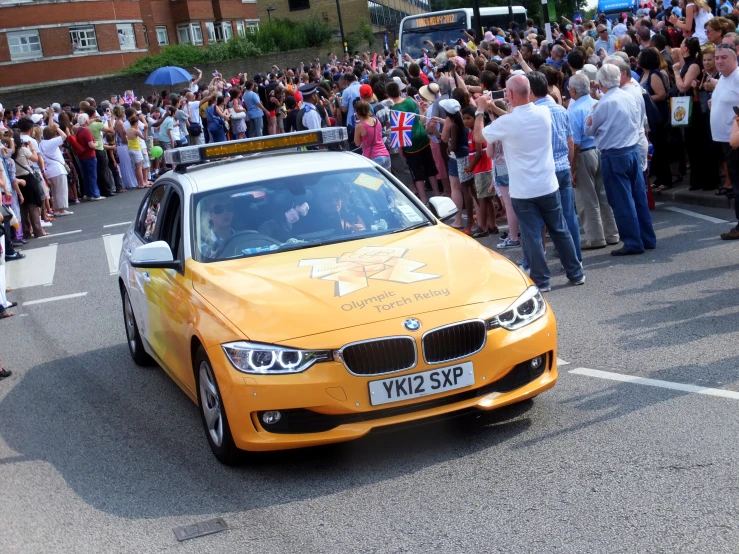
(246, 170)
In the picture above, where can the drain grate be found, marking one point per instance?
(200, 529)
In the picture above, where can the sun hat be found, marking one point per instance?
(429, 92)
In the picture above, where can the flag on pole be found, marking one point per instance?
(401, 124)
(387, 48)
(425, 59)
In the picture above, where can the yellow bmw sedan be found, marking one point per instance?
(307, 297)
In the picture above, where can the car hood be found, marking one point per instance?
(282, 296)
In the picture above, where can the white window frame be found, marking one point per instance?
(223, 31)
(193, 33)
(248, 1)
(252, 25)
(87, 39)
(240, 29)
(128, 34)
(146, 36)
(162, 33)
(210, 31)
(22, 45)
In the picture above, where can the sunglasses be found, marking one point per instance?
(218, 210)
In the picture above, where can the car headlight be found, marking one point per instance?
(529, 307)
(266, 359)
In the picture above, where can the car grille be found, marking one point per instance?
(380, 356)
(453, 342)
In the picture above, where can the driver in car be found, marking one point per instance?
(220, 211)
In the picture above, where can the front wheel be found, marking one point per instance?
(213, 414)
(135, 344)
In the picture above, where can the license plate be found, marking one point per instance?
(416, 385)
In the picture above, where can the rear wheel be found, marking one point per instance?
(212, 413)
(135, 345)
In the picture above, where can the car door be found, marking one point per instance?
(137, 279)
(170, 291)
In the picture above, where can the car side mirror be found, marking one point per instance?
(155, 255)
(443, 208)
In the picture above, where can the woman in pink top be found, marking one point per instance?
(368, 135)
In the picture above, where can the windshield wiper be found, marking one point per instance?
(416, 226)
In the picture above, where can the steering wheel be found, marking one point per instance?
(256, 236)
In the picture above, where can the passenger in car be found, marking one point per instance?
(280, 226)
(219, 211)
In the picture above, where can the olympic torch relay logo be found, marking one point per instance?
(353, 270)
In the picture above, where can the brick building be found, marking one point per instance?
(53, 41)
(384, 15)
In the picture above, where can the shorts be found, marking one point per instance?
(421, 164)
(456, 169)
(482, 184)
(502, 180)
(439, 159)
(136, 156)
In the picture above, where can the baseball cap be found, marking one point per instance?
(400, 82)
(37, 117)
(590, 71)
(365, 91)
(624, 16)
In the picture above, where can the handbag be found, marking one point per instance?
(681, 110)
(238, 115)
(195, 129)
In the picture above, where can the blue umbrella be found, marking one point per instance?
(168, 76)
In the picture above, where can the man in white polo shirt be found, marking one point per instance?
(526, 134)
(725, 97)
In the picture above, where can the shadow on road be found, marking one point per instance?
(130, 443)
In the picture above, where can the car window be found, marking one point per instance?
(288, 213)
(147, 219)
(170, 222)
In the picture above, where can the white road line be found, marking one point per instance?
(113, 245)
(116, 224)
(655, 383)
(54, 298)
(560, 361)
(696, 214)
(51, 236)
(37, 268)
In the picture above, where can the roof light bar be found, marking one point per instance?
(188, 155)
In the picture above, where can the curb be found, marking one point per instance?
(682, 195)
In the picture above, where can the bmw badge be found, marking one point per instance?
(412, 324)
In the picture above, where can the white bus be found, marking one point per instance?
(447, 25)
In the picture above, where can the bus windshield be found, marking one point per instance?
(444, 27)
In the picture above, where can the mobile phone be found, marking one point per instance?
(498, 94)
(417, 97)
(736, 110)
(514, 50)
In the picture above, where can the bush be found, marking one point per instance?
(279, 35)
(360, 38)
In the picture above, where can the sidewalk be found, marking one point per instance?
(680, 193)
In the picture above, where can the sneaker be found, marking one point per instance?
(85, 197)
(479, 232)
(526, 270)
(508, 243)
(46, 224)
(97, 198)
(580, 281)
(548, 288)
(77, 201)
(5, 373)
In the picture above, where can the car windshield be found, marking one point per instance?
(289, 213)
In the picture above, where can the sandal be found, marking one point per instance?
(494, 230)
(6, 314)
(722, 191)
(478, 232)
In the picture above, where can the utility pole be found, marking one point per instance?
(547, 25)
(478, 20)
(510, 11)
(341, 27)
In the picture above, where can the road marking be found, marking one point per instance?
(655, 383)
(51, 236)
(54, 298)
(37, 268)
(113, 246)
(560, 361)
(696, 214)
(116, 224)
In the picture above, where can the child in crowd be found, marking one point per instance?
(480, 166)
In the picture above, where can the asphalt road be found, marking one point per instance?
(99, 455)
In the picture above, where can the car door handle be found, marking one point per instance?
(146, 277)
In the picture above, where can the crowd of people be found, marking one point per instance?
(546, 135)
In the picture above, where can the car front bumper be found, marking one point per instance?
(327, 404)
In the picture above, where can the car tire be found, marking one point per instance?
(133, 337)
(212, 412)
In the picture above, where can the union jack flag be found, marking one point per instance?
(401, 124)
(426, 60)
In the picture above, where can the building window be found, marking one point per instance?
(252, 25)
(224, 31)
(384, 16)
(146, 36)
(24, 45)
(162, 36)
(296, 5)
(126, 36)
(248, 1)
(240, 28)
(210, 30)
(190, 33)
(83, 39)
